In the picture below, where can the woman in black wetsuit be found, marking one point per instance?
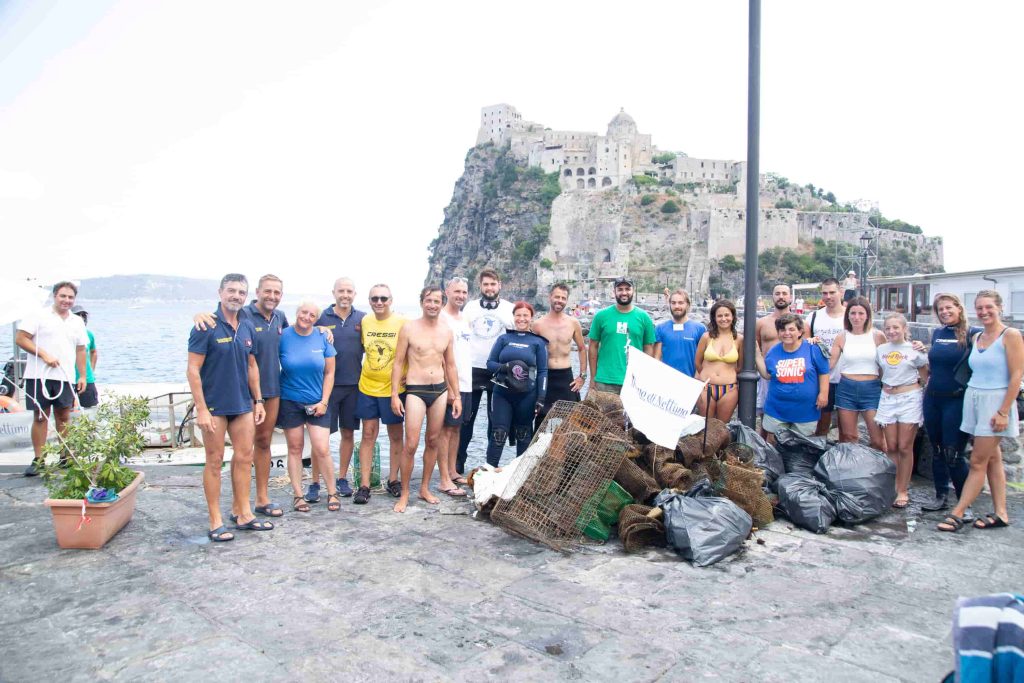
(519, 362)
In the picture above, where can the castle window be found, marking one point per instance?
(702, 164)
(592, 171)
(579, 171)
(592, 182)
(568, 172)
(606, 181)
(605, 150)
(579, 183)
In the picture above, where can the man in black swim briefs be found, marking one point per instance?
(561, 331)
(428, 347)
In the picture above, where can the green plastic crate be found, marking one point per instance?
(374, 471)
(606, 505)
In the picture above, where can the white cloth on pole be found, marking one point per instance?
(659, 399)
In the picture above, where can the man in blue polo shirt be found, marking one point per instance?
(268, 323)
(675, 340)
(225, 384)
(345, 322)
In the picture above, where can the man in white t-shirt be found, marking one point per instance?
(55, 342)
(823, 326)
(488, 318)
(456, 292)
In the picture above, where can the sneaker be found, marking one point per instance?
(344, 490)
(32, 470)
(362, 496)
(395, 488)
(313, 493)
(940, 502)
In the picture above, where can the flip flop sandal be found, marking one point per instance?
(460, 480)
(956, 524)
(299, 504)
(454, 492)
(218, 535)
(900, 504)
(255, 525)
(333, 502)
(990, 521)
(270, 510)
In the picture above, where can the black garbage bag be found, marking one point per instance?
(806, 502)
(799, 453)
(862, 480)
(701, 527)
(765, 455)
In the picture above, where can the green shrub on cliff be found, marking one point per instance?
(642, 181)
(550, 189)
(669, 207)
(647, 199)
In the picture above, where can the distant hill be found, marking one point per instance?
(149, 287)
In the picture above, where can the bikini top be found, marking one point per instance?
(711, 355)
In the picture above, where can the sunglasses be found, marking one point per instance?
(379, 299)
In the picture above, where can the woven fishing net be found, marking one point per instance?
(638, 483)
(743, 485)
(638, 531)
(554, 500)
(610, 405)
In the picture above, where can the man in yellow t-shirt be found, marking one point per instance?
(380, 339)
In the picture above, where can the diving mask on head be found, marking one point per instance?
(488, 304)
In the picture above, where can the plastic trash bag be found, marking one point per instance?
(806, 502)
(765, 455)
(701, 527)
(799, 453)
(862, 480)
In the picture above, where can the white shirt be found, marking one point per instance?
(827, 328)
(899, 363)
(485, 326)
(57, 336)
(463, 350)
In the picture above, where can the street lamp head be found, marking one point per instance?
(865, 239)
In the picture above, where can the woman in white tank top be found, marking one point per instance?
(860, 389)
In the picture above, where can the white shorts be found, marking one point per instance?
(904, 408)
(980, 406)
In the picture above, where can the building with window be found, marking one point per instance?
(912, 295)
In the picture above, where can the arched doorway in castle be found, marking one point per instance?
(579, 183)
(592, 182)
(606, 181)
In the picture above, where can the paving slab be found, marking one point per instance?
(441, 594)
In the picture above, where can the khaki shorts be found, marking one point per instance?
(773, 426)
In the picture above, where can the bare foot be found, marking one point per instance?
(402, 503)
(429, 497)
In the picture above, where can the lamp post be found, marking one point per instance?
(747, 375)
(865, 252)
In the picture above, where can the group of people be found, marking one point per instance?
(964, 385)
(342, 369)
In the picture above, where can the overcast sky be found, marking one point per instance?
(316, 139)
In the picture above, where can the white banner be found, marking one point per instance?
(658, 399)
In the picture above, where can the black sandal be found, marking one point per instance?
(955, 523)
(333, 502)
(299, 504)
(990, 521)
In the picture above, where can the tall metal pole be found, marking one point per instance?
(748, 374)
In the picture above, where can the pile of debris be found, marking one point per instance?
(587, 471)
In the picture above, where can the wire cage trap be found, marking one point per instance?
(552, 500)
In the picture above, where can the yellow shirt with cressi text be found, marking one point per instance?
(380, 340)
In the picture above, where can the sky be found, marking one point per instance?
(321, 139)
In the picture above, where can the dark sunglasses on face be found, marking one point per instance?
(379, 299)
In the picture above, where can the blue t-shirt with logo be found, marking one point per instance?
(679, 344)
(302, 365)
(348, 342)
(793, 387)
(268, 336)
(225, 369)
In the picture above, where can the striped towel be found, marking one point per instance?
(988, 638)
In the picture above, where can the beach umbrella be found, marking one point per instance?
(19, 298)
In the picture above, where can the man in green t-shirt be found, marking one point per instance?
(611, 330)
(88, 398)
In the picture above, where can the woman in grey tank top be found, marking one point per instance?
(990, 410)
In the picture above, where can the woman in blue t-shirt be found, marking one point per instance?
(307, 377)
(797, 371)
(944, 400)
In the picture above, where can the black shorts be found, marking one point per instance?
(467, 410)
(341, 407)
(90, 397)
(558, 387)
(38, 391)
(293, 414)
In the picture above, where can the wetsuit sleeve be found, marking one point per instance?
(542, 369)
(492, 361)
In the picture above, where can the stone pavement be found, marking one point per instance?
(433, 595)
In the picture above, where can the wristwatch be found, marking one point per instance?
(259, 400)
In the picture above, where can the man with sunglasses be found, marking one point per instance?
(373, 406)
(488, 318)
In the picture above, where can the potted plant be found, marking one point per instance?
(92, 492)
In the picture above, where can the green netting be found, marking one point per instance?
(374, 472)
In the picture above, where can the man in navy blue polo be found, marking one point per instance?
(268, 323)
(344, 322)
(225, 384)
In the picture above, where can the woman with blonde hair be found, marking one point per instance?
(990, 410)
(899, 415)
(944, 399)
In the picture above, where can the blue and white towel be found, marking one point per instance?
(988, 639)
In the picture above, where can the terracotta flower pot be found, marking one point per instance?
(106, 519)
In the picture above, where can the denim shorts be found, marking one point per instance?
(858, 394)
